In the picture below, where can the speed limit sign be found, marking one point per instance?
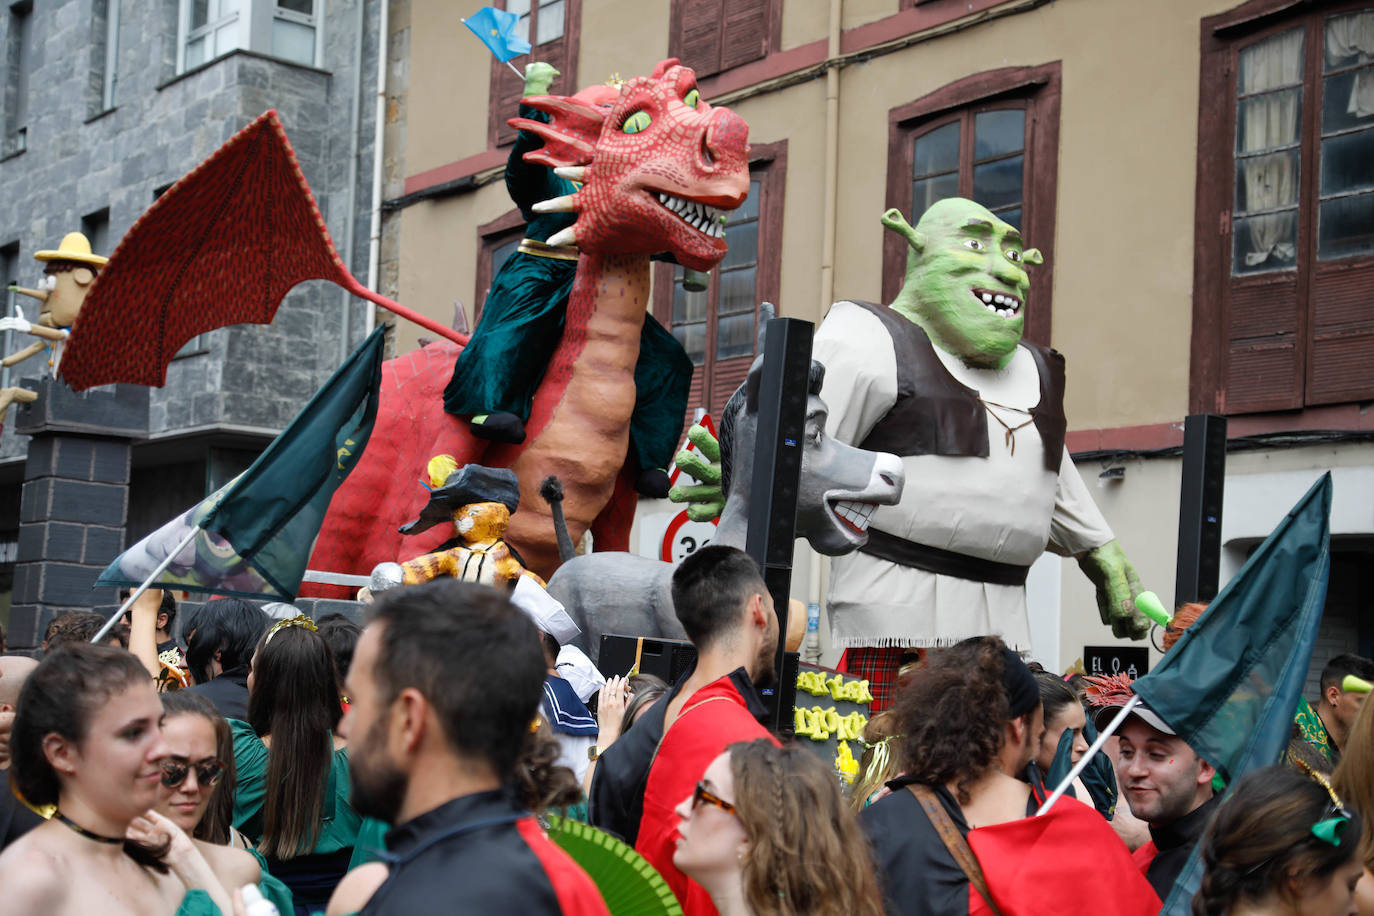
(685, 537)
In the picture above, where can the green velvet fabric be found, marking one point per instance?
(197, 903)
(272, 888)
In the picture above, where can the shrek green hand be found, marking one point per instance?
(705, 499)
(539, 76)
(1117, 585)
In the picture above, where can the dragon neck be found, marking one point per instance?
(609, 288)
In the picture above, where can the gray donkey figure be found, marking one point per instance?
(627, 594)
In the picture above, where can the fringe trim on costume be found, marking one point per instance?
(907, 642)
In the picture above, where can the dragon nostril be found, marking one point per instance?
(707, 159)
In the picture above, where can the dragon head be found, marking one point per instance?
(660, 168)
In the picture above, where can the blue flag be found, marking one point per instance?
(259, 529)
(1230, 685)
(496, 28)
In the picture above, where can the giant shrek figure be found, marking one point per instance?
(497, 373)
(943, 378)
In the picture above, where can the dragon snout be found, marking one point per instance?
(725, 143)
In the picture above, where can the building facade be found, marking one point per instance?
(107, 103)
(1196, 173)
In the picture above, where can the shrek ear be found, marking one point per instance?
(894, 220)
(1032, 256)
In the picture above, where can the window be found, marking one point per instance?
(9, 264)
(551, 27)
(718, 325)
(712, 36)
(1285, 223)
(17, 78)
(286, 29)
(499, 239)
(105, 55)
(993, 138)
(96, 228)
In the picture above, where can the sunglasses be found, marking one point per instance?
(208, 772)
(704, 796)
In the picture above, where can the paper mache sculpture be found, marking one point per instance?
(497, 373)
(840, 488)
(68, 272)
(943, 378)
(643, 174)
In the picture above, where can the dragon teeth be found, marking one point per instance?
(704, 219)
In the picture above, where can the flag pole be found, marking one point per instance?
(1083, 762)
(513, 69)
(161, 567)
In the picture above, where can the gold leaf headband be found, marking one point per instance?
(300, 620)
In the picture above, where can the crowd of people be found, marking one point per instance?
(414, 765)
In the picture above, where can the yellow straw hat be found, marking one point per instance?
(74, 247)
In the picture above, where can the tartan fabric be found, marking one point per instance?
(879, 666)
(222, 246)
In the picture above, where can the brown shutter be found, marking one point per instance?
(1263, 360)
(745, 34)
(1341, 355)
(696, 38)
(507, 88)
(726, 376)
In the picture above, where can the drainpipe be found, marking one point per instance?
(828, 227)
(350, 211)
(374, 247)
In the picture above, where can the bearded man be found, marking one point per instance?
(444, 684)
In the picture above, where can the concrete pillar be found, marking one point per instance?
(75, 499)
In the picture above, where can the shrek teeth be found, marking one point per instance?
(1002, 305)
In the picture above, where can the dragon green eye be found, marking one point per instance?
(636, 122)
(692, 98)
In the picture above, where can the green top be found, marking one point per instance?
(272, 887)
(341, 822)
(197, 903)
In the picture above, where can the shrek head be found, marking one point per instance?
(966, 282)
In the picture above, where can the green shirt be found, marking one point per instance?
(341, 822)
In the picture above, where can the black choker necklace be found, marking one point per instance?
(113, 841)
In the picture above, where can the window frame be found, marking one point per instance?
(501, 231)
(1215, 286)
(772, 38)
(1036, 89)
(767, 164)
(255, 19)
(499, 133)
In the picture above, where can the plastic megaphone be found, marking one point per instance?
(1148, 603)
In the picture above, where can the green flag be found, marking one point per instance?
(259, 529)
(1230, 685)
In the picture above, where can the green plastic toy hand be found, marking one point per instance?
(1117, 586)
(705, 499)
(539, 76)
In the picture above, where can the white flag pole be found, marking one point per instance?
(1083, 762)
(161, 567)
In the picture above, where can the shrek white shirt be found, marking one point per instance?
(1007, 507)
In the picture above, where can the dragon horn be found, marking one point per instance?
(563, 237)
(564, 204)
(576, 173)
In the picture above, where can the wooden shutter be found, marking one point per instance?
(745, 35)
(714, 35)
(1341, 350)
(1263, 358)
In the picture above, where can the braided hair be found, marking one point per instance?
(1261, 843)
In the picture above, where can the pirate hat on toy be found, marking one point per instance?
(470, 484)
(74, 247)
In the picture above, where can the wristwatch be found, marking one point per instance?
(594, 753)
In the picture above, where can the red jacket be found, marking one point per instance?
(716, 716)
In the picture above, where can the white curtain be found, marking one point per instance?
(1353, 36)
(1267, 121)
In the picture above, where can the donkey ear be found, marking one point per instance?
(570, 136)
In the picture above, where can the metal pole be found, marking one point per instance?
(9, 336)
(161, 567)
(1083, 763)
